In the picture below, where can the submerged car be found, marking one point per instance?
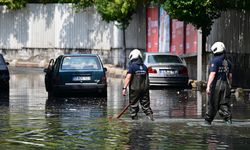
(76, 74)
(4, 75)
(166, 70)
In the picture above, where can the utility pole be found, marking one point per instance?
(199, 72)
(199, 56)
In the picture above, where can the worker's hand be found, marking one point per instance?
(208, 90)
(124, 92)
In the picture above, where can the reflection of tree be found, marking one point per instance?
(4, 110)
(117, 134)
(140, 137)
(131, 135)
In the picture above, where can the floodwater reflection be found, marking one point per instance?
(29, 120)
(4, 99)
(177, 103)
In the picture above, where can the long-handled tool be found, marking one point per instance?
(123, 111)
(120, 114)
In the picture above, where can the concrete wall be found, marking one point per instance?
(44, 31)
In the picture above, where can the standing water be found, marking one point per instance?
(29, 120)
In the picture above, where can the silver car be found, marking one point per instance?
(166, 70)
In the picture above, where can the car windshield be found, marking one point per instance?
(80, 63)
(163, 59)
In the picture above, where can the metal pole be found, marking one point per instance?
(199, 56)
(124, 47)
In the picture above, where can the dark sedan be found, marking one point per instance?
(76, 74)
(4, 75)
(166, 70)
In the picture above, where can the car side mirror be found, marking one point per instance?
(105, 69)
(45, 70)
(7, 63)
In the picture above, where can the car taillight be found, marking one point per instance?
(183, 71)
(151, 70)
(103, 80)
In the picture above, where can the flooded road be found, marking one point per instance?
(29, 120)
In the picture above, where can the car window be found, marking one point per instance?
(163, 59)
(81, 63)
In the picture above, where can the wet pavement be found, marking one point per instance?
(29, 120)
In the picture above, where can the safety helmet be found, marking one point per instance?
(218, 47)
(134, 54)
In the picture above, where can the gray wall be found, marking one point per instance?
(233, 28)
(57, 28)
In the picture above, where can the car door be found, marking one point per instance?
(48, 75)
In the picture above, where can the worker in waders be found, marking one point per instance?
(219, 85)
(138, 83)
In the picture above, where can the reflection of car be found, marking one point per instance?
(166, 69)
(4, 74)
(76, 73)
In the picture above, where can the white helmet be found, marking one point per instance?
(134, 54)
(218, 47)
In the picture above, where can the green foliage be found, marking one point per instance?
(13, 4)
(200, 13)
(82, 4)
(117, 10)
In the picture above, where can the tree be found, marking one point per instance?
(200, 13)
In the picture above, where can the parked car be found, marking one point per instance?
(166, 70)
(76, 74)
(4, 75)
